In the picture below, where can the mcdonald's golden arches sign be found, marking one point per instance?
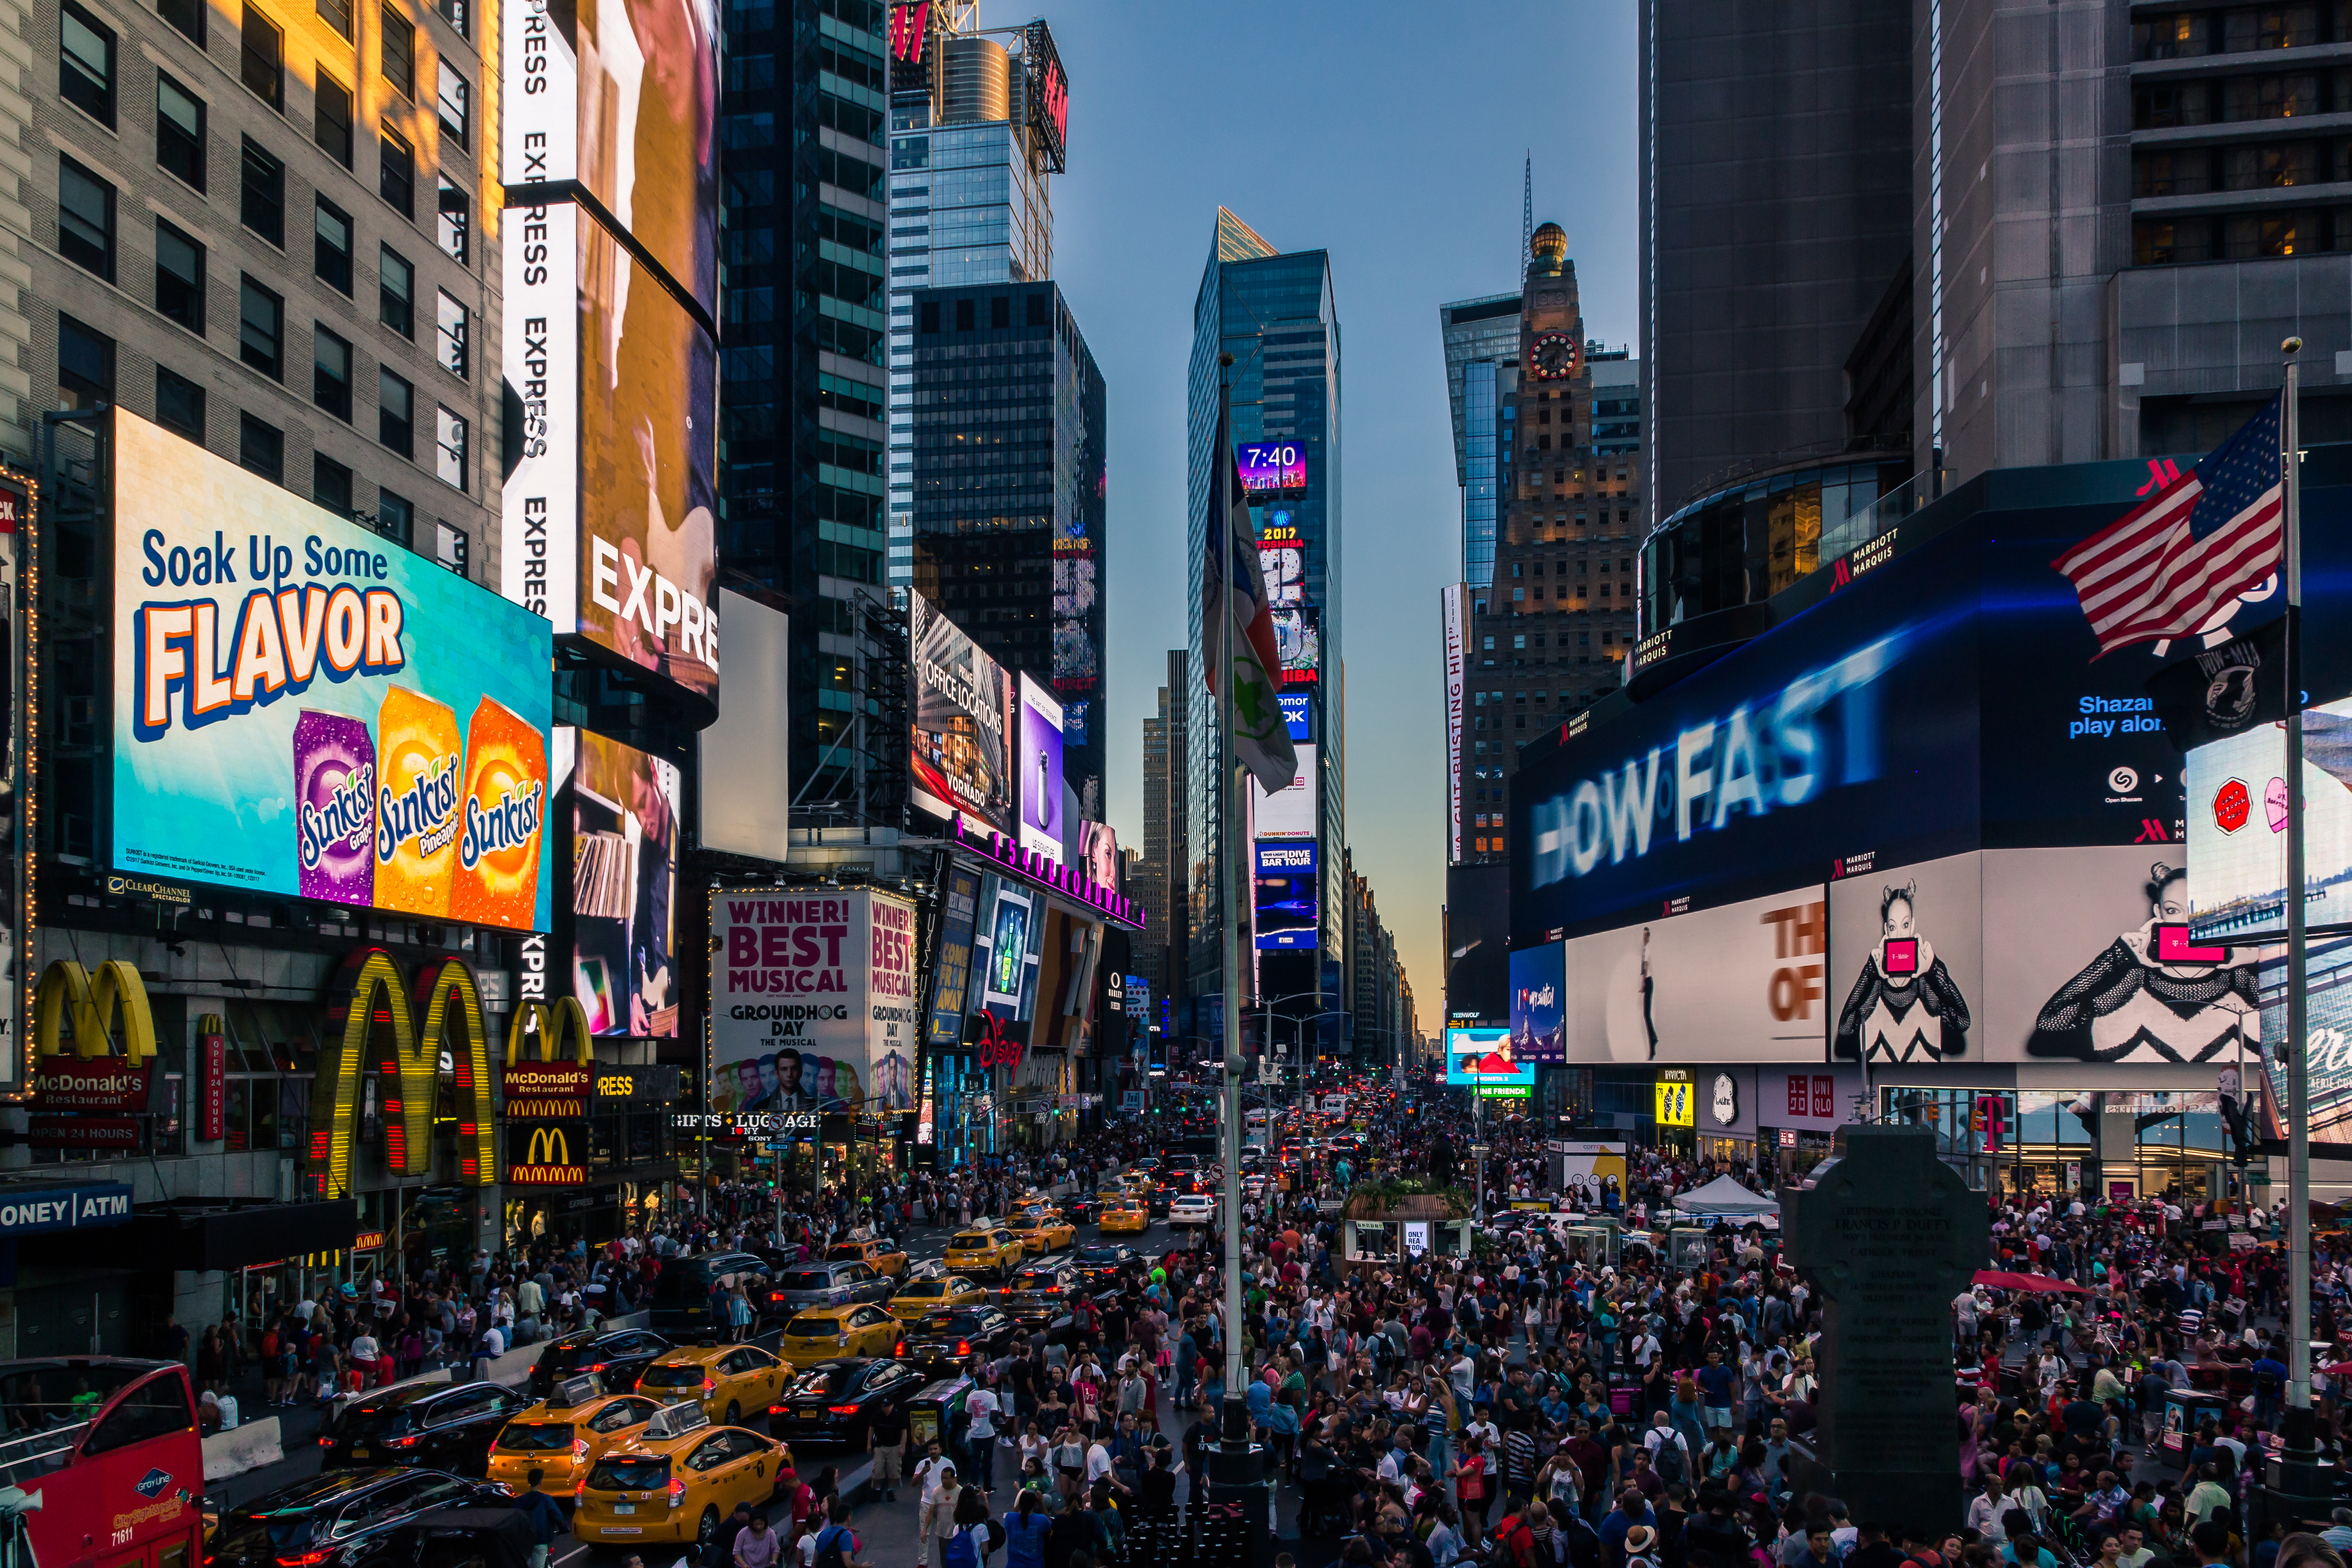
(374, 1021)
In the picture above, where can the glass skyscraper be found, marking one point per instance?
(802, 383)
(1481, 344)
(1273, 312)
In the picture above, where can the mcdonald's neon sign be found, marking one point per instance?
(547, 1161)
(365, 997)
(92, 1097)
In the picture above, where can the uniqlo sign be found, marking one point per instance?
(1811, 1101)
(1824, 1096)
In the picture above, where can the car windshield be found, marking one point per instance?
(808, 1327)
(1099, 1255)
(825, 1380)
(535, 1437)
(360, 1424)
(630, 1473)
(668, 1374)
(954, 1323)
(848, 1252)
(807, 1279)
(1035, 1279)
(922, 1287)
(970, 1241)
(565, 1353)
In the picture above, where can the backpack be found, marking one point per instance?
(832, 1547)
(1518, 1542)
(1673, 1463)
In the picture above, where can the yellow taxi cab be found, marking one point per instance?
(726, 1381)
(675, 1481)
(824, 1333)
(879, 1256)
(1127, 1214)
(918, 1296)
(564, 1435)
(986, 1248)
(1137, 1181)
(1042, 1230)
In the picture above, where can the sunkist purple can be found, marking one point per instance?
(334, 796)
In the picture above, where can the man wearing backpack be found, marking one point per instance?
(1670, 1454)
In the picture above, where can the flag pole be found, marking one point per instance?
(1236, 1411)
(2297, 1428)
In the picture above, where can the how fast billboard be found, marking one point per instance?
(302, 708)
(622, 102)
(962, 744)
(609, 497)
(812, 1000)
(1040, 766)
(624, 837)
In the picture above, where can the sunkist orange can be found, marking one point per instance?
(419, 771)
(505, 802)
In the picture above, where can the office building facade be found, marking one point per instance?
(1482, 341)
(1158, 887)
(803, 381)
(1273, 311)
(975, 143)
(1009, 499)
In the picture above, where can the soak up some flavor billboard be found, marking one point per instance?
(301, 708)
(813, 1002)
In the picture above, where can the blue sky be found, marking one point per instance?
(1391, 135)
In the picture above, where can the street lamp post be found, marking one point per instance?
(1478, 1152)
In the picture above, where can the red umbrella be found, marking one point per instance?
(2003, 1280)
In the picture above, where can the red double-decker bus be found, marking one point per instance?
(101, 1465)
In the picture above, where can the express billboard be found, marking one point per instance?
(621, 102)
(1289, 912)
(624, 837)
(1040, 771)
(964, 725)
(608, 502)
(302, 708)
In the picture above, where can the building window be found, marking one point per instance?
(262, 203)
(179, 405)
(336, 14)
(451, 340)
(394, 516)
(400, 53)
(1000, 313)
(188, 16)
(457, 220)
(331, 484)
(449, 442)
(931, 316)
(179, 131)
(457, 100)
(331, 373)
(397, 177)
(396, 292)
(450, 545)
(85, 365)
(330, 248)
(330, 118)
(396, 420)
(261, 448)
(457, 14)
(85, 218)
(263, 63)
(261, 329)
(964, 315)
(86, 63)
(179, 277)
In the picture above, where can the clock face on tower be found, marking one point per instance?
(1552, 357)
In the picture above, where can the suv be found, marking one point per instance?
(616, 1356)
(682, 1306)
(333, 1512)
(432, 1425)
(825, 1285)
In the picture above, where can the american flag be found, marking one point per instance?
(2162, 569)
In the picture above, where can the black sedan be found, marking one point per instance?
(946, 1339)
(616, 1356)
(836, 1401)
(1156, 1200)
(436, 1426)
(1106, 1267)
(335, 1515)
(1040, 1292)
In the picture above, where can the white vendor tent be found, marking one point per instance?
(1726, 1197)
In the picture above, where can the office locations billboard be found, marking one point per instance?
(302, 708)
(812, 1000)
(1040, 766)
(620, 103)
(609, 497)
(624, 837)
(961, 748)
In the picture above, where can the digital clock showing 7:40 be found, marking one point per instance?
(1271, 466)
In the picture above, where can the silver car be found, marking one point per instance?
(827, 1285)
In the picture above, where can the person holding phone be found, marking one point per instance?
(1904, 1006)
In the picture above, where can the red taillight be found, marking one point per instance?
(902, 1350)
(401, 1442)
(678, 1494)
(963, 1347)
(326, 1442)
(708, 1387)
(579, 1448)
(304, 1560)
(580, 1489)
(600, 1366)
(842, 1409)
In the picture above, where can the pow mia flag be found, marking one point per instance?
(2223, 691)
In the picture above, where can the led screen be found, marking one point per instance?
(2237, 829)
(1283, 564)
(1040, 769)
(1271, 465)
(303, 708)
(2328, 1072)
(622, 97)
(811, 1001)
(1289, 812)
(1539, 1003)
(1098, 842)
(1287, 911)
(1299, 637)
(963, 741)
(624, 882)
(607, 503)
(1746, 982)
(1485, 1059)
(1297, 717)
